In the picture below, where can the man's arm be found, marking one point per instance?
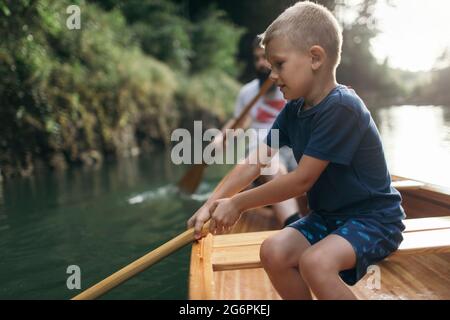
(226, 212)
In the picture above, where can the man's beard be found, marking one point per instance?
(262, 74)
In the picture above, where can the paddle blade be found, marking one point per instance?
(191, 180)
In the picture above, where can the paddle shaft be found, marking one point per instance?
(264, 88)
(139, 265)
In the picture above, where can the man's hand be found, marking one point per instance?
(224, 215)
(198, 220)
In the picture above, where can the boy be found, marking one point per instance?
(356, 217)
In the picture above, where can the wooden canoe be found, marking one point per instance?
(420, 274)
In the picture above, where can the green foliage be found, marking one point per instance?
(160, 30)
(209, 91)
(72, 91)
(215, 43)
(208, 42)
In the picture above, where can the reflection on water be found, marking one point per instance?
(102, 219)
(417, 141)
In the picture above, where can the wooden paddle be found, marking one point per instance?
(191, 179)
(140, 265)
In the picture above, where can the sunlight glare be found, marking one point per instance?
(414, 33)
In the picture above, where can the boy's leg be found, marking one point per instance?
(320, 266)
(280, 255)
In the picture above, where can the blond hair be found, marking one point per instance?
(306, 24)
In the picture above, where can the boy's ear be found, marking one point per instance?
(318, 56)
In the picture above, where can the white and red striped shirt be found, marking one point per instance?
(265, 110)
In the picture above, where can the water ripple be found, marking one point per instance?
(204, 191)
(151, 195)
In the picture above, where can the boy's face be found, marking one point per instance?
(291, 68)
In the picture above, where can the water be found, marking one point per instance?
(103, 219)
(100, 220)
(417, 141)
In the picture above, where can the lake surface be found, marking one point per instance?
(417, 141)
(102, 219)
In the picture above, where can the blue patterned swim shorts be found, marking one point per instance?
(372, 240)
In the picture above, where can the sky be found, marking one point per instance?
(414, 33)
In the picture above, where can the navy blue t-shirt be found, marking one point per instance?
(341, 130)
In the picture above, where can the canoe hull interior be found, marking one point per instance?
(408, 277)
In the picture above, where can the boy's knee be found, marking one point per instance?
(314, 263)
(266, 252)
(271, 253)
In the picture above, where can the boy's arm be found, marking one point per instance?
(227, 211)
(239, 178)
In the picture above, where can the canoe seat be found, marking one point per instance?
(241, 250)
(407, 184)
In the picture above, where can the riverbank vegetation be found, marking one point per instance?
(112, 88)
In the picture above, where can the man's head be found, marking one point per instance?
(302, 42)
(262, 66)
